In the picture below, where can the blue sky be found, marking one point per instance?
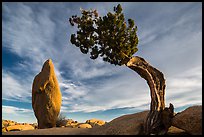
(170, 39)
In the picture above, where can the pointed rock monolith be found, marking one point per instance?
(46, 96)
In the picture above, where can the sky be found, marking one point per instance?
(170, 39)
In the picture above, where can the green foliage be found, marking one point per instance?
(107, 36)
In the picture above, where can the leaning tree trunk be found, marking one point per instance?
(159, 118)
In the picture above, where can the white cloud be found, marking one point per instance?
(185, 88)
(31, 35)
(87, 68)
(14, 88)
(127, 91)
(15, 110)
(72, 91)
(26, 35)
(130, 90)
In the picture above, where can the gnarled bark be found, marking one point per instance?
(159, 118)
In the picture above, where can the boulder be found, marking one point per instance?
(84, 125)
(95, 122)
(71, 123)
(46, 96)
(19, 127)
(74, 124)
(189, 120)
(131, 124)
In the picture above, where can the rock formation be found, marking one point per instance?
(189, 120)
(46, 96)
(84, 125)
(9, 125)
(19, 127)
(131, 124)
(95, 122)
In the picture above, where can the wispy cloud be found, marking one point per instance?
(185, 88)
(14, 88)
(113, 93)
(15, 110)
(26, 34)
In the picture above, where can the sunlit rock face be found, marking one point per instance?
(46, 96)
(95, 122)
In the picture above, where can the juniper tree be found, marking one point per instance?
(115, 40)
